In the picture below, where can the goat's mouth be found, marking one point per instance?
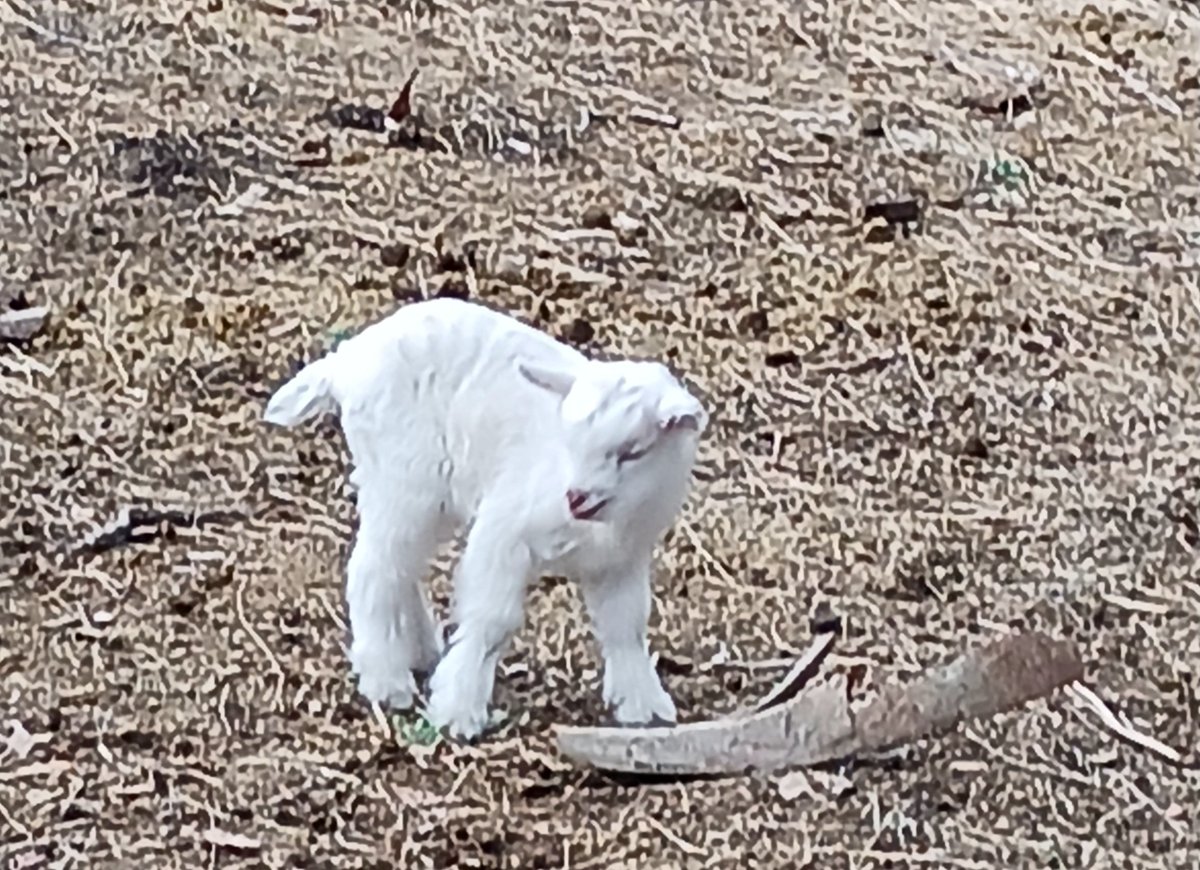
(582, 507)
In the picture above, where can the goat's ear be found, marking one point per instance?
(680, 410)
(555, 380)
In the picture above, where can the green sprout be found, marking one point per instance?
(337, 336)
(1005, 180)
(415, 731)
(1010, 173)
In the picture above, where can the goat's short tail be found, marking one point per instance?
(304, 396)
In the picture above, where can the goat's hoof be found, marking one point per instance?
(387, 692)
(466, 733)
(461, 725)
(656, 711)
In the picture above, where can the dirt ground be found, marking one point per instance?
(933, 266)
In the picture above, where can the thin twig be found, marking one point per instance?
(240, 607)
(804, 669)
(688, 848)
(1122, 729)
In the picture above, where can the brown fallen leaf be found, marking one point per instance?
(402, 107)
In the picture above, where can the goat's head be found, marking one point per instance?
(626, 424)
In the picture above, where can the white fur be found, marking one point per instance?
(456, 416)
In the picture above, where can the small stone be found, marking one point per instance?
(624, 222)
(596, 218)
(24, 323)
(795, 784)
(823, 620)
(20, 741)
(511, 267)
(394, 256)
(756, 324)
(581, 332)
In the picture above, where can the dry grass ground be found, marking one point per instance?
(983, 417)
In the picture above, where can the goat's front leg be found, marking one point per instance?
(489, 607)
(619, 605)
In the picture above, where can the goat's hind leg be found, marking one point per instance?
(392, 631)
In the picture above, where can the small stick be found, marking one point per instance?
(135, 525)
(240, 609)
(688, 848)
(1127, 603)
(1122, 730)
(649, 116)
(59, 129)
(801, 673)
(821, 725)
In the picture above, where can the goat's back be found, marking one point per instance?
(442, 346)
(436, 384)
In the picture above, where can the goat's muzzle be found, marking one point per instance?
(583, 506)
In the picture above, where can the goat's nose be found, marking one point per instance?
(576, 499)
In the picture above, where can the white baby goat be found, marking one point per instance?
(455, 416)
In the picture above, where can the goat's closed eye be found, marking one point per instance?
(631, 453)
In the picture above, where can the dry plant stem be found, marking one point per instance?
(797, 677)
(134, 524)
(820, 725)
(1121, 729)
